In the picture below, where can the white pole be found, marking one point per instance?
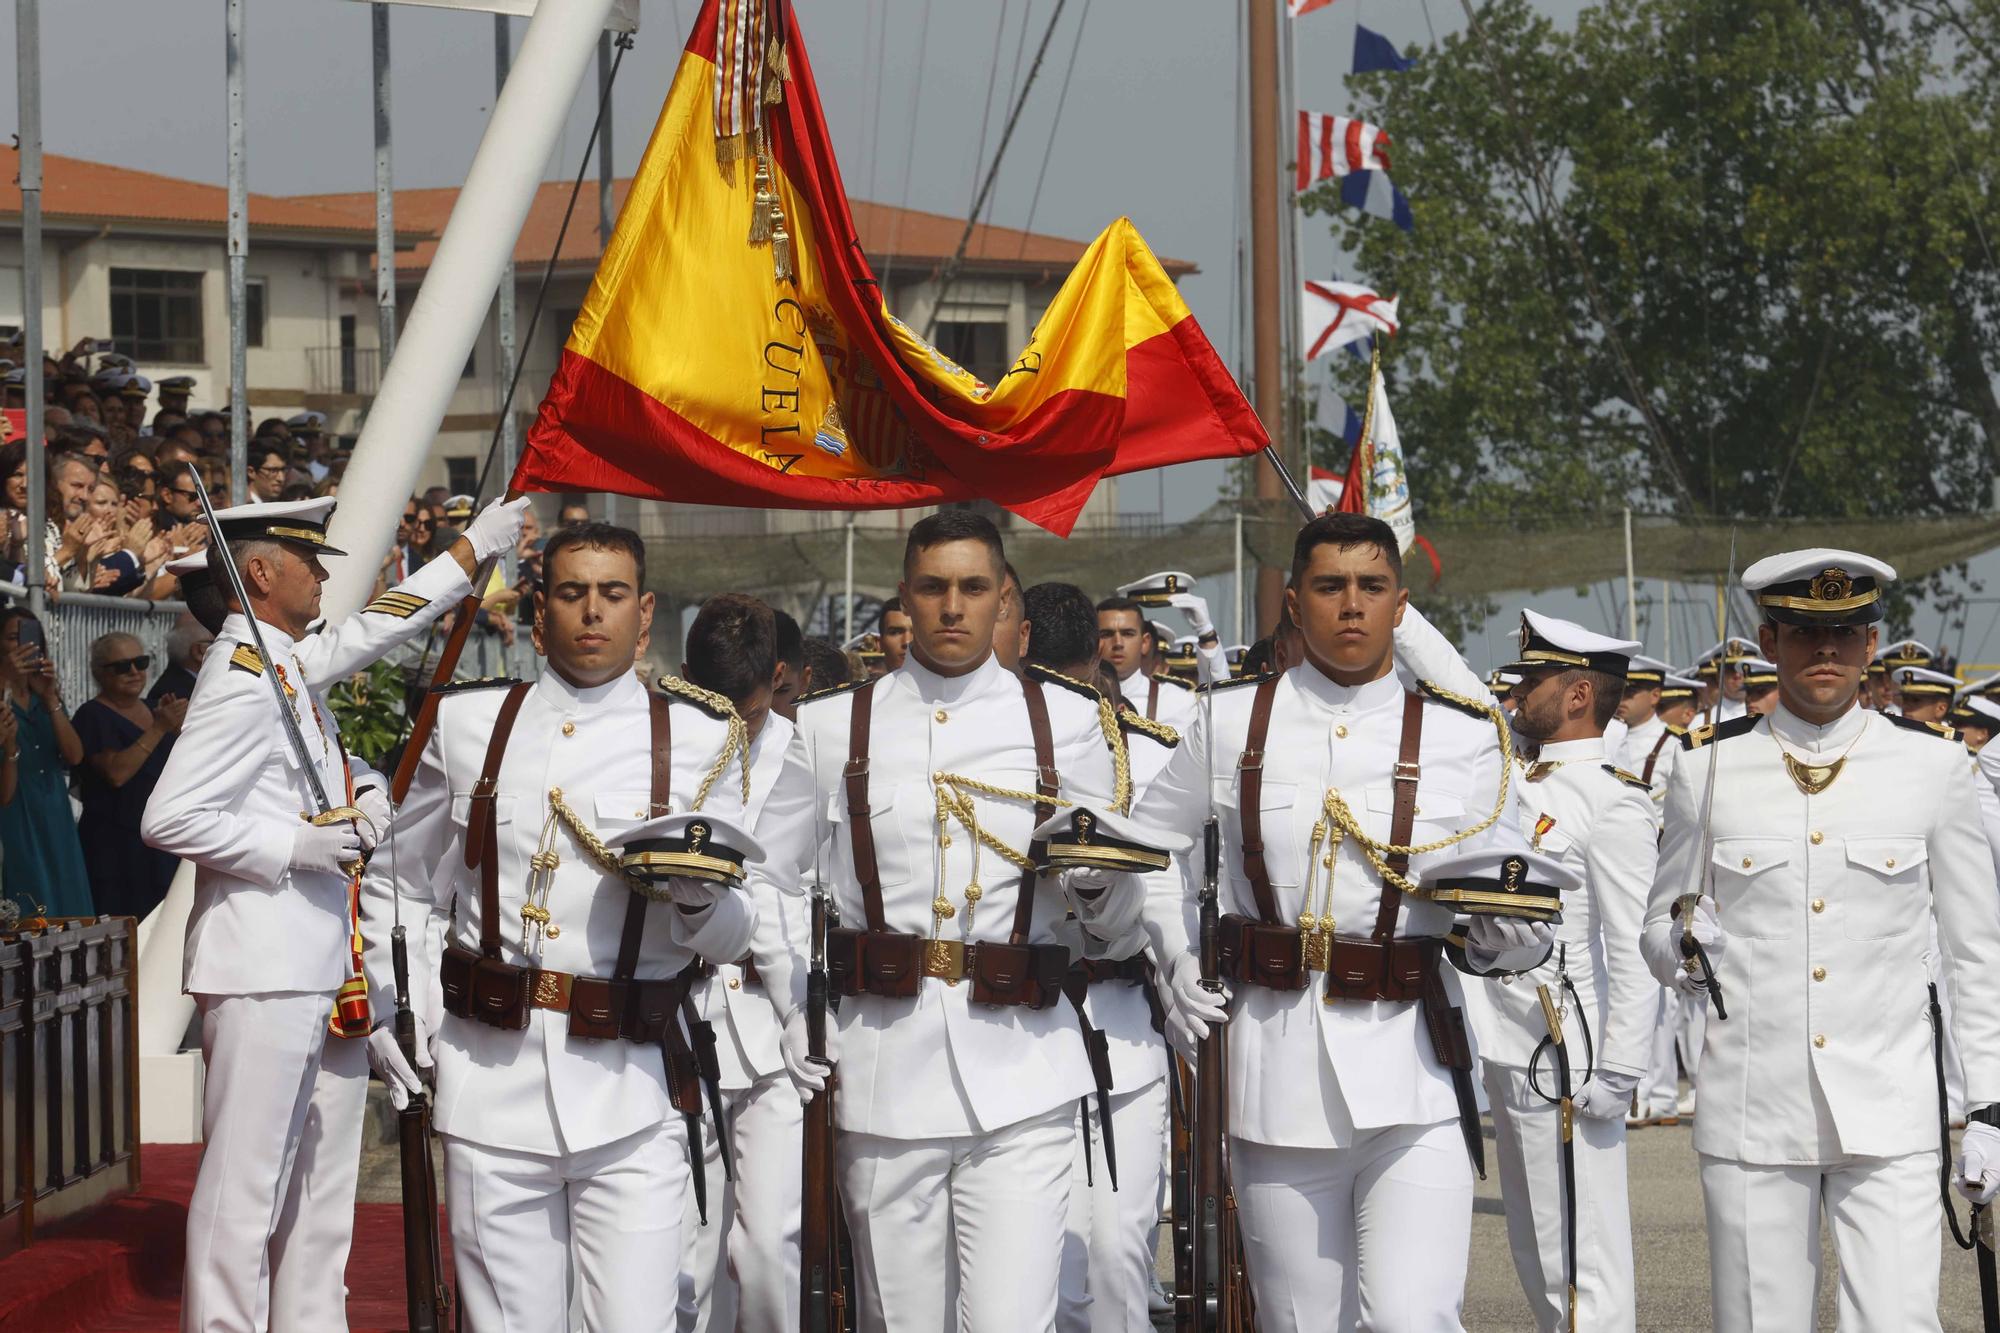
(451, 307)
(1631, 584)
(1239, 577)
(28, 78)
(503, 314)
(847, 602)
(385, 198)
(1667, 619)
(239, 257)
(605, 217)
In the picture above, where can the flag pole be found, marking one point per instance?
(1631, 583)
(1239, 577)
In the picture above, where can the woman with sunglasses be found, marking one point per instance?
(44, 862)
(125, 745)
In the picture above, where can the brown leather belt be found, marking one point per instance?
(1135, 970)
(893, 965)
(1284, 957)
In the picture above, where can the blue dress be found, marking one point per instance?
(127, 878)
(43, 865)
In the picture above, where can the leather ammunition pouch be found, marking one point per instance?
(1249, 951)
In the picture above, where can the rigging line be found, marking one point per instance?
(871, 45)
(1805, 417)
(1048, 149)
(1020, 50)
(992, 77)
(1972, 215)
(1430, 25)
(949, 273)
(1545, 187)
(910, 149)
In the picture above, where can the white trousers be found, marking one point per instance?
(1764, 1253)
(1528, 1131)
(1371, 1237)
(316, 1224)
(261, 1057)
(751, 1283)
(523, 1226)
(1108, 1257)
(986, 1211)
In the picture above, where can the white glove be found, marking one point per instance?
(1506, 944)
(1977, 1174)
(1196, 610)
(385, 1057)
(694, 894)
(1708, 934)
(1086, 883)
(808, 1075)
(494, 529)
(374, 803)
(1606, 1094)
(326, 849)
(1191, 1006)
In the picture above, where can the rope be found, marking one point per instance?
(953, 802)
(736, 743)
(1048, 149)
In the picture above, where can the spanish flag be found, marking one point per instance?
(735, 349)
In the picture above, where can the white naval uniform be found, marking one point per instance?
(558, 1150)
(1109, 1259)
(267, 948)
(1160, 697)
(741, 1271)
(1351, 1179)
(1818, 1095)
(1601, 827)
(957, 1122)
(1678, 1019)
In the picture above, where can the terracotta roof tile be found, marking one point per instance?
(73, 188)
(913, 237)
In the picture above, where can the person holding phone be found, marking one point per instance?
(45, 872)
(125, 744)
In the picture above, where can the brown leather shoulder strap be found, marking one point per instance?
(1152, 699)
(1249, 800)
(1047, 783)
(860, 833)
(1403, 812)
(1647, 775)
(482, 825)
(633, 933)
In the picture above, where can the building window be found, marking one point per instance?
(156, 315)
(253, 312)
(980, 348)
(461, 475)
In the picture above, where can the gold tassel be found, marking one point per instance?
(777, 68)
(763, 206)
(781, 248)
(731, 148)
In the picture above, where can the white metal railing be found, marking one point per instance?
(77, 619)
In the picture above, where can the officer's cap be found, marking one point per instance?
(1757, 673)
(1645, 671)
(300, 521)
(115, 361)
(700, 846)
(1548, 642)
(1986, 687)
(1675, 688)
(110, 380)
(192, 570)
(1922, 683)
(1905, 653)
(306, 423)
(1500, 882)
(458, 508)
(1083, 836)
(182, 384)
(1984, 711)
(1156, 589)
(136, 386)
(868, 646)
(1500, 679)
(1819, 586)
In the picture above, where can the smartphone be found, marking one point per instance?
(103, 345)
(33, 636)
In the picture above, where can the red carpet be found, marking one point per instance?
(118, 1270)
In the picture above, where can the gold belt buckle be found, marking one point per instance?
(551, 991)
(1318, 950)
(945, 959)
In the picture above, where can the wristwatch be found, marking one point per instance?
(1988, 1115)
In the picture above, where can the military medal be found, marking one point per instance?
(1542, 825)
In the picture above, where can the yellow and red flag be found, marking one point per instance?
(735, 349)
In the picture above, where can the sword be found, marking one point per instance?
(1694, 958)
(1566, 1105)
(324, 811)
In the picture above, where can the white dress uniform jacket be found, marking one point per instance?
(1653, 743)
(1601, 827)
(1825, 904)
(540, 1091)
(1159, 697)
(1372, 1064)
(936, 1065)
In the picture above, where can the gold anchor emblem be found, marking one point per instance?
(697, 834)
(1511, 872)
(1832, 585)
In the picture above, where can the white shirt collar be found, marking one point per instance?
(1329, 693)
(564, 697)
(237, 627)
(1800, 734)
(1137, 674)
(1566, 752)
(932, 688)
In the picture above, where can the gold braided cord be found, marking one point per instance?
(1121, 758)
(594, 846)
(952, 800)
(737, 744)
(1378, 853)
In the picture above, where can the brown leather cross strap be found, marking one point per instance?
(633, 932)
(482, 825)
(1654, 757)
(1152, 699)
(1402, 811)
(1047, 782)
(1249, 801)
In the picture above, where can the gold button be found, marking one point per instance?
(735, 984)
(569, 728)
(1819, 904)
(1819, 1040)
(1340, 732)
(1746, 863)
(942, 716)
(1818, 837)
(1890, 864)
(555, 793)
(1819, 974)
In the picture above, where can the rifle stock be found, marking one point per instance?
(1211, 1116)
(822, 1297)
(429, 1299)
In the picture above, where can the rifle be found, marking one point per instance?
(423, 1264)
(822, 1297)
(1181, 1180)
(1211, 1117)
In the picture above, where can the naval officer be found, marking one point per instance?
(1124, 643)
(270, 939)
(1833, 838)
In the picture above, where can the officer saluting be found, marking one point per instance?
(270, 940)
(1829, 841)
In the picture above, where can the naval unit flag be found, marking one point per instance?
(735, 348)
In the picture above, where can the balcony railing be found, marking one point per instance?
(349, 370)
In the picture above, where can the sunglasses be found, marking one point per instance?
(143, 662)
